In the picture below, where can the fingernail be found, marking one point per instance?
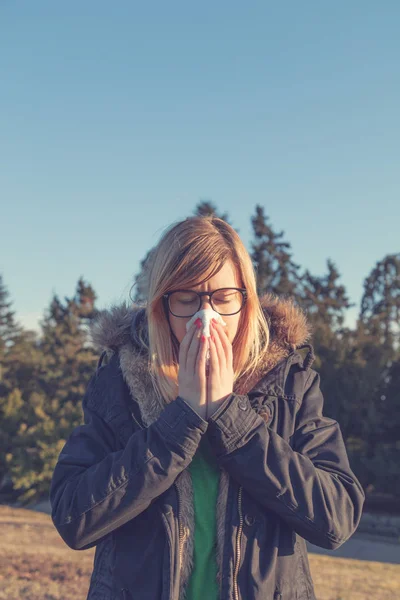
(203, 338)
(198, 323)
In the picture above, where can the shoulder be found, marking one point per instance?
(289, 332)
(299, 375)
(106, 389)
(287, 322)
(117, 326)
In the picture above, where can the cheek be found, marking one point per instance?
(178, 326)
(231, 327)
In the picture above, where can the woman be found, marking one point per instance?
(204, 483)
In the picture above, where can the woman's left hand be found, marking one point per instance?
(220, 377)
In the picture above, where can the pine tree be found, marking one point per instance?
(377, 349)
(380, 305)
(84, 301)
(48, 410)
(272, 259)
(324, 298)
(325, 301)
(370, 371)
(390, 403)
(19, 357)
(206, 208)
(9, 329)
(141, 279)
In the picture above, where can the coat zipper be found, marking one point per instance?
(183, 536)
(238, 540)
(183, 532)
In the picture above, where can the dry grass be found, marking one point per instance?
(348, 579)
(37, 565)
(35, 562)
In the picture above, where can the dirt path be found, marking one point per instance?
(364, 547)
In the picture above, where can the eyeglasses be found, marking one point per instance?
(225, 301)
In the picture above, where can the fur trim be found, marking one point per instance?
(288, 328)
(111, 328)
(288, 325)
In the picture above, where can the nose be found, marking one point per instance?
(205, 303)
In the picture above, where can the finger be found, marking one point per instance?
(193, 351)
(201, 356)
(226, 343)
(220, 349)
(184, 345)
(214, 361)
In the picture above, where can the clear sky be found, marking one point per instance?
(117, 118)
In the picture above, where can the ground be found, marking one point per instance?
(37, 565)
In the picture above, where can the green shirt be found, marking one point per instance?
(205, 478)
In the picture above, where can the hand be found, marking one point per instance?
(220, 378)
(192, 369)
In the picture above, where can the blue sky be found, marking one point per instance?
(116, 119)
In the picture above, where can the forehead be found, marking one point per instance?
(227, 276)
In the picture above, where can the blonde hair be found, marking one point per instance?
(189, 253)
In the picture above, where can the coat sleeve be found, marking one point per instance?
(309, 484)
(95, 489)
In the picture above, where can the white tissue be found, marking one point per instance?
(205, 316)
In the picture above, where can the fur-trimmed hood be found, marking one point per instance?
(122, 328)
(121, 324)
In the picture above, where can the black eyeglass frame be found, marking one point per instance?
(209, 294)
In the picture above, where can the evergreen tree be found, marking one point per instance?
(380, 305)
(43, 415)
(379, 333)
(325, 299)
(141, 279)
(373, 377)
(272, 259)
(376, 349)
(390, 404)
(369, 369)
(18, 360)
(84, 301)
(205, 208)
(9, 329)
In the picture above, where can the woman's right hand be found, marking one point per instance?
(192, 369)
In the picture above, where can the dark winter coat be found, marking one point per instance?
(121, 482)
